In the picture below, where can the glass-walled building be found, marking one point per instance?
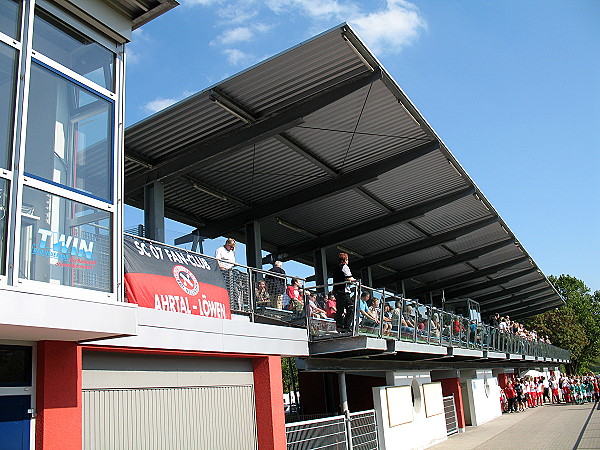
(61, 89)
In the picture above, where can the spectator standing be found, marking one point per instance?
(225, 256)
(342, 274)
(276, 285)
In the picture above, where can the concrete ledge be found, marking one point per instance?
(36, 317)
(412, 347)
(494, 355)
(456, 351)
(362, 344)
(175, 331)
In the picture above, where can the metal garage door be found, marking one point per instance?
(148, 402)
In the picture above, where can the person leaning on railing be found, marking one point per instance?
(342, 274)
(276, 285)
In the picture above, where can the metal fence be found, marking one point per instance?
(323, 434)
(331, 433)
(363, 428)
(450, 413)
(391, 316)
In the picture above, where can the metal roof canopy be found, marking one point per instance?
(321, 147)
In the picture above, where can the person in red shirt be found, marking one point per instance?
(331, 306)
(511, 395)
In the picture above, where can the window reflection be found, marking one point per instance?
(3, 221)
(10, 18)
(65, 242)
(72, 49)
(8, 70)
(69, 134)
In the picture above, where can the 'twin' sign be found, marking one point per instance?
(55, 245)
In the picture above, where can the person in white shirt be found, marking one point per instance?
(226, 255)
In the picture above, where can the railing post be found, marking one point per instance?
(345, 409)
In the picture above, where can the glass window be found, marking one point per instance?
(65, 242)
(15, 366)
(8, 85)
(3, 221)
(10, 18)
(69, 134)
(69, 47)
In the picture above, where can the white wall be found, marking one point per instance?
(481, 404)
(422, 432)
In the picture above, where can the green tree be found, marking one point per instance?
(575, 326)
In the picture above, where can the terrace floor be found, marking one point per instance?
(548, 427)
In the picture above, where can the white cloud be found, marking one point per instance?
(237, 57)
(161, 103)
(387, 30)
(233, 35)
(392, 29)
(319, 9)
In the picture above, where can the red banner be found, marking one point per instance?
(169, 279)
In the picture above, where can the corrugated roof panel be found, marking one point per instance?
(446, 272)
(331, 213)
(504, 254)
(422, 179)
(280, 234)
(383, 238)
(317, 64)
(267, 169)
(491, 233)
(180, 195)
(460, 212)
(421, 257)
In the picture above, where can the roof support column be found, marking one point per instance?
(154, 211)
(320, 263)
(253, 244)
(366, 276)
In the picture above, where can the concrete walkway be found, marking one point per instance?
(548, 427)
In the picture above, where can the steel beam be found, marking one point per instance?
(337, 236)
(189, 157)
(344, 182)
(445, 262)
(482, 299)
(536, 311)
(515, 297)
(531, 302)
(547, 301)
(454, 281)
(459, 292)
(422, 244)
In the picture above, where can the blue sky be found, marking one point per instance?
(511, 87)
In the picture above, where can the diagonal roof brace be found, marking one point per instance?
(468, 290)
(191, 156)
(480, 273)
(422, 244)
(521, 296)
(343, 182)
(403, 215)
(446, 262)
(482, 299)
(533, 303)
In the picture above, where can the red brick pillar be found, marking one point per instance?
(58, 396)
(451, 386)
(268, 391)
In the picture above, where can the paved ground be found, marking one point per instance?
(549, 427)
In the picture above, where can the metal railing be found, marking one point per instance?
(332, 433)
(383, 314)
